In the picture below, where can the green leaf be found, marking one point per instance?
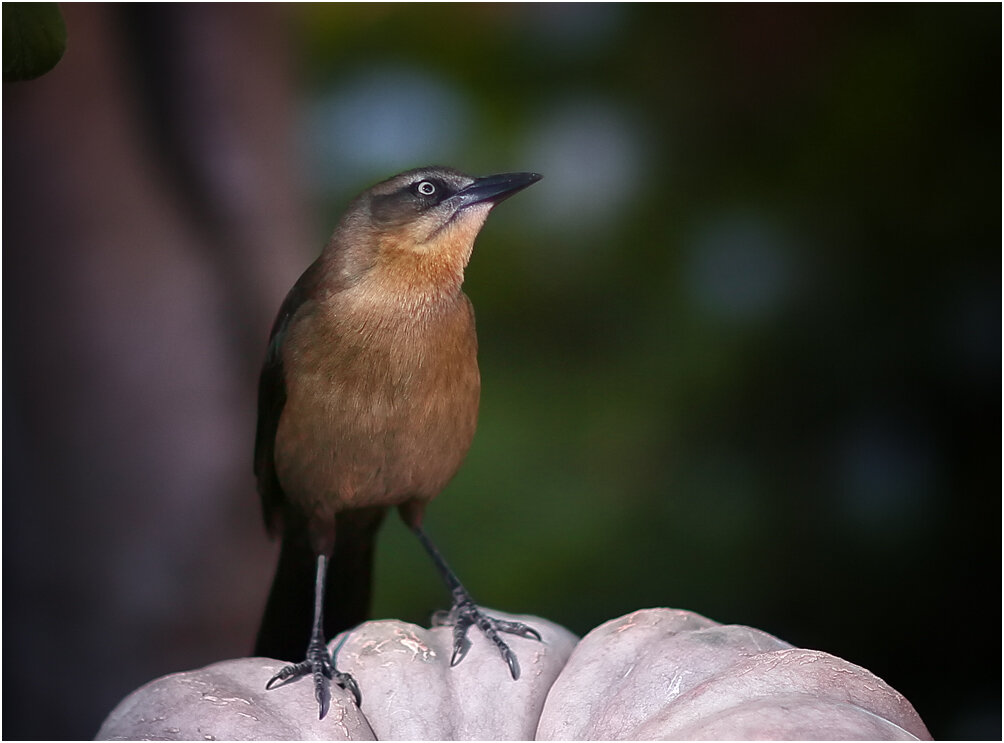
(34, 39)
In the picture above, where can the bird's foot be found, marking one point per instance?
(464, 614)
(320, 665)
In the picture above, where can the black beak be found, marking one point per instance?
(494, 188)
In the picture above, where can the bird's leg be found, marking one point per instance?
(319, 662)
(465, 613)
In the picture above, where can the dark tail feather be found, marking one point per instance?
(285, 627)
(350, 575)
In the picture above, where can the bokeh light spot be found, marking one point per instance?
(740, 268)
(590, 152)
(382, 120)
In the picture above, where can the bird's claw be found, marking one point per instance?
(285, 673)
(517, 628)
(320, 666)
(348, 683)
(464, 614)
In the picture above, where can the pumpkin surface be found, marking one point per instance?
(653, 674)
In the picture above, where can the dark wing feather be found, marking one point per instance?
(272, 398)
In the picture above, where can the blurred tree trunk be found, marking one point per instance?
(152, 222)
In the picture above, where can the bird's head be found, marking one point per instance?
(418, 228)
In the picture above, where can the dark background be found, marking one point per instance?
(740, 347)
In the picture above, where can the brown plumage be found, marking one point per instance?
(369, 399)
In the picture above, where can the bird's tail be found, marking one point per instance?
(285, 627)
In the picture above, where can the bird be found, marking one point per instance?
(368, 399)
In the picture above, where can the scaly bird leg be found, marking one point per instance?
(319, 662)
(465, 613)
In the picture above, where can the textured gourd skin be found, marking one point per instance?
(654, 674)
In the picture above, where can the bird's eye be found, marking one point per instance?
(426, 188)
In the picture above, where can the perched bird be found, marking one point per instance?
(368, 398)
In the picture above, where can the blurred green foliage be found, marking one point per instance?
(34, 39)
(762, 384)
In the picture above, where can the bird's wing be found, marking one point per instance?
(272, 398)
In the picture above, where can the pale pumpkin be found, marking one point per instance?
(653, 674)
